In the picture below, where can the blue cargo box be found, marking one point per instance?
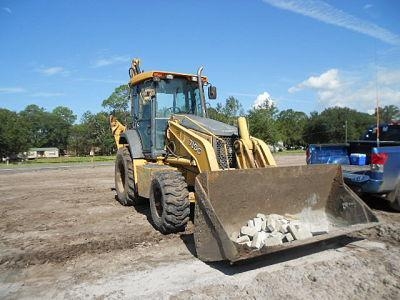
(358, 159)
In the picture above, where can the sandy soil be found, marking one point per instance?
(63, 235)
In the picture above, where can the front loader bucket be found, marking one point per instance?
(226, 200)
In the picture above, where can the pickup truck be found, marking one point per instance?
(368, 167)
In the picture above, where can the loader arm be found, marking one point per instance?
(200, 150)
(251, 152)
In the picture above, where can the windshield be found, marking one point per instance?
(386, 133)
(177, 96)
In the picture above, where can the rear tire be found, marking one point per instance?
(124, 179)
(169, 202)
(394, 198)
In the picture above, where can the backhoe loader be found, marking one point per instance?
(172, 154)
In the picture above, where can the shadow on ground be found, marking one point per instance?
(282, 256)
(273, 258)
(377, 203)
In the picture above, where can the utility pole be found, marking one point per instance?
(345, 128)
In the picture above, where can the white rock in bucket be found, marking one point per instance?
(258, 223)
(273, 240)
(264, 225)
(243, 239)
(319, 228)
(250, 223)
(273, 229)
(250, 231)
(258, 240)
(288, 237)
(272, 223)
(300, 231)
(261, 216)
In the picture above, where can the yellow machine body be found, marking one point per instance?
(228, 194)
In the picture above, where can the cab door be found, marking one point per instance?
(143, 97)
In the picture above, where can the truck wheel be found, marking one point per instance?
(169, 202)
(394, 198)
(124, 179)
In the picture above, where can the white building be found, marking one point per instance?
(43, 152)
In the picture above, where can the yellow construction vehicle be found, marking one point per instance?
(172, 155)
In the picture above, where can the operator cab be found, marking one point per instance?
(156, 96)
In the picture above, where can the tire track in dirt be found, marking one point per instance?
(67, 252)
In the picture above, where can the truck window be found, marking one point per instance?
(392, 133)
(387, 133)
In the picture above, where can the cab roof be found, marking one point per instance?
(136, 79)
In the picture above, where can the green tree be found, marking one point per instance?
(36, 120)
(65, 114)
(330, 125)
(389, 113)
(48, 129)
(79, 140)
(215, 115)
(13, 134)
(316, 130)
(96, 131)
(228, 112)
(118, 103)
(291, 126)
(262, 122)
(33, 117)
(60, 122)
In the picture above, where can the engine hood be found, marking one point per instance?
(216, 127)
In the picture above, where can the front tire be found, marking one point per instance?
(124, 178)
(169, 202)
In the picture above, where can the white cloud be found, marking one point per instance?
(356, 92)
(18, 90)
(51, 71)
(7, 10)
(327, 81)
(11, 90)
(367, 6)
(47, 94)
(262, 99)
(388, 77)
(102, 62)
(326, 13)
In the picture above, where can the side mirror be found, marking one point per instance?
(212, 92)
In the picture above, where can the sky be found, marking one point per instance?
(305, 55)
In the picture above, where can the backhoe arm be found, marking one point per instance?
(117, 129)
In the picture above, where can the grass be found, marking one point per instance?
(88, 159)
(60, 160)
(71, 159)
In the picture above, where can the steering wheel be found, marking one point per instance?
(173, 110)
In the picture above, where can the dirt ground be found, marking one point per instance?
(63, 235)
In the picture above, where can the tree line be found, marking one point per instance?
(36, 127)
(295, 128)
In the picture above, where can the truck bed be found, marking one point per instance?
(354, 168)
(380, 180)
